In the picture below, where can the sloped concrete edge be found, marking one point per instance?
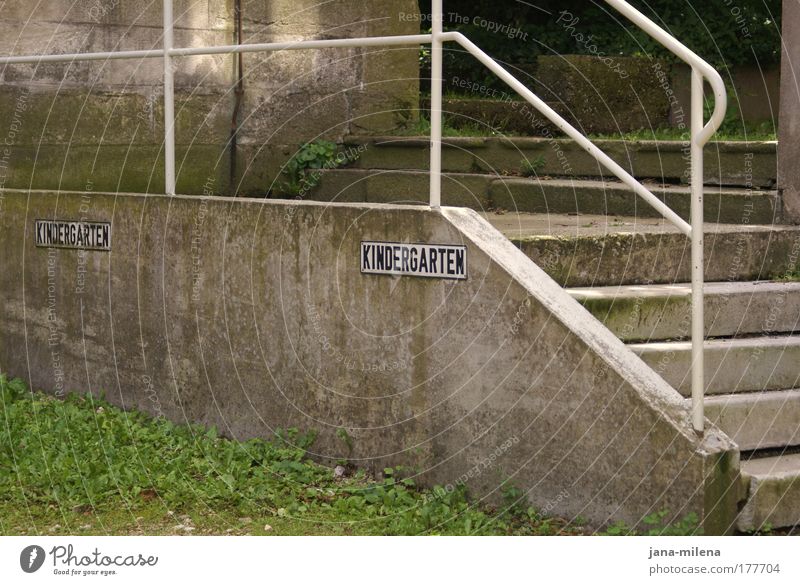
(714, 452)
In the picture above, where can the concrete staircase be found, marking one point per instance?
(630, 269)
(752, 370)
(538, 175)
(637, 287)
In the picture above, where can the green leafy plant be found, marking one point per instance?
(513, 498)
(451, 128)
(345, 438)
(618, 529)
(531, 168)
(764, 530)
(790, 276)
(686, 526)
(303, 170)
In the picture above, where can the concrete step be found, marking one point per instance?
(758, 420)
(402, 186)
(745, 164)
(750, 364)
(773, 485)
(482, 191)
(660, 312)
(722, 205)
(589, 251)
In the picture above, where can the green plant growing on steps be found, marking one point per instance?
(463, 129)
(792, 275)
(303, 170)
(531, 168)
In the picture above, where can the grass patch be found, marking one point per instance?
(790, 276)
(754, 133)
(465, 129)
(733, 128)
(83, 466)
(760, 133)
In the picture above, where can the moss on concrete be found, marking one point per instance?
(658, 258)
(723, 493)
(601, 97)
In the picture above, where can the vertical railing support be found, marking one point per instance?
(698, 320)
(701, 134)
(437, 81)
(169, 102)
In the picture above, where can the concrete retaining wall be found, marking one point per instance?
(789, 146)
(254, 315)
(605, 96)
(100, 125)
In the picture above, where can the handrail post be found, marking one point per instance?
(698, 321)
(169, 102)
(701, 133)
(437, 27)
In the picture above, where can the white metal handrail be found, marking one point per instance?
(700, 133)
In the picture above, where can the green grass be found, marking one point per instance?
(790, 276)
(753, 133)
(83, 466)
(759, 133)
(732, 129)
(464, 129)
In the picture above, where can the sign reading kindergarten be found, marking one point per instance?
(428, 260)
(79, 235)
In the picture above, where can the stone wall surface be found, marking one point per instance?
(253, 315)
(789, 129)
(99, 125)
(606, 95)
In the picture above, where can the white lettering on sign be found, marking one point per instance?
(428, 260)
(79, 235)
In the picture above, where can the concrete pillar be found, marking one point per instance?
(789, 121)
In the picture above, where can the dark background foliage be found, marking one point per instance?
(727, 33)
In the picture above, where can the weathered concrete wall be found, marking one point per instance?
(789, 124)
(609, 95)
(753, 90)
(253, 315)
(96, 125)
